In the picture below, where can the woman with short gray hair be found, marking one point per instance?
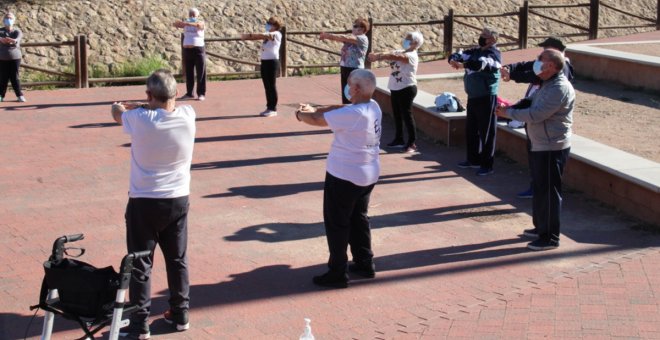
(10, 57)
(403, 88)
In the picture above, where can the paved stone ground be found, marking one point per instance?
(451, 262)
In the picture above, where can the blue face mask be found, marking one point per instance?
(192, 19)
(406, 44)
(268, 27)
(538, 65)
(8, 22)
(347, 90)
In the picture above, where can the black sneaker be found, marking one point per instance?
(485, 171)
(543, 244)
(136, 331)
(331, 280)
(466, 164)
(178, 319)
(531, 232)
(396, 144)
(364, 269)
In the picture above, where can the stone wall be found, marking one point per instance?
(121, 30)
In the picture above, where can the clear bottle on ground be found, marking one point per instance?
(307, 333)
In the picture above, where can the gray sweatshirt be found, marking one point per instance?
(10, 51)
(550, 115)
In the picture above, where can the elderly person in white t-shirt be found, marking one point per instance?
(194, 53)
(403, 88)
(270, 61)
(353, 167)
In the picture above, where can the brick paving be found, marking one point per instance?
(450, 260)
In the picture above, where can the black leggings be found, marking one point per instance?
(195, 62)
(269, 77)
(345, 72)
(9, 71)
(402, 102)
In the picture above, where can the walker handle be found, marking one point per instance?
(58, 246)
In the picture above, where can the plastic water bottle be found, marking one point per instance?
(307, 334)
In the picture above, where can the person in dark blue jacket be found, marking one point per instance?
(523, 72)
(482, 76)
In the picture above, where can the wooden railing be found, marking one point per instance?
(520, 40)
(78, 78)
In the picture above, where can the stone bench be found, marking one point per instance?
(617, 178)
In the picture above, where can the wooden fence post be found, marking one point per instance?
(76, 61)
(657, 17)
(593, 19)
(183, 61)
(523, 25)
(84, 71)
(370, 38)
(283, 54)
(448, 32)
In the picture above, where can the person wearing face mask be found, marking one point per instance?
(353, 52)
(10, 57)
(194, 54)
(482, 75)
(270, 61)
(549, 117)
(524, 72)
(352, 170)
(403, 88)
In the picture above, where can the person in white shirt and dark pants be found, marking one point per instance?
(352, 170)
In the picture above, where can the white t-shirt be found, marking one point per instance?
(193, 36)
(356, 145)
(270, 49)
(403, 74)
(161, 151)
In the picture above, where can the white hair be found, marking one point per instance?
(194, 10)
(162, 85)
(365, 79)
(417, 38)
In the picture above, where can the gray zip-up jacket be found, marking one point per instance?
(550, 115)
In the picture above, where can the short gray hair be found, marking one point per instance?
(365, 79)
(555, 57)
(490, 32)
(9, 14)
(416, 37)
(162, 85)
(194, 10)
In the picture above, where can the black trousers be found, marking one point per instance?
(402, 101)
(9, 72)
(195, 65)
(269, 77)
(480, 130)
(345, 208)
(547, 170)
(162, 222)
(345, 72)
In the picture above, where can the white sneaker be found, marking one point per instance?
(201, 98)
(268, 113)
(22, 99)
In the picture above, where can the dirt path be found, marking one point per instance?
(611, 114)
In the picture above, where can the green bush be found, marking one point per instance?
(141, 67)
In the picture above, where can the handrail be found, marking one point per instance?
(626, 13)
(314, 47)
(558, 21)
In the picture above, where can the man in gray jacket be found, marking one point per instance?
(549, 116)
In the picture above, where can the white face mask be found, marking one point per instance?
(538, 65)
(347, 90)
